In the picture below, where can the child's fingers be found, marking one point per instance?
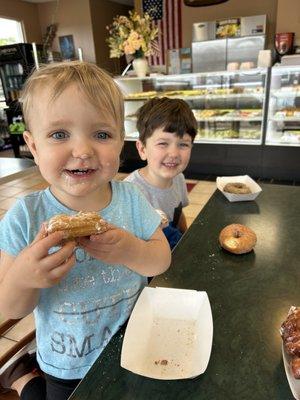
(94, 238)
(57, 273)
(105, 237)
(41, 234)
(57, 258)
(42, 246)
(61, 270)
(98, 238)
(83, 241)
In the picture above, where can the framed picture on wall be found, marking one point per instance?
(67, 49)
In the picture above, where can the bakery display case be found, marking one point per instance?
(229, 106)
(248, 120)
(283, 127)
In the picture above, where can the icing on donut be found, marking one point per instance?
(81, 224)
(237, 239)
(290, 333)
(295, 367)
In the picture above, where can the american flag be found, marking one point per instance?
(166, 16)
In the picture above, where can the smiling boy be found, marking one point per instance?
(167, 128)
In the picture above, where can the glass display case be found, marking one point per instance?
(283, 128)
(229, 106)
(16, 63)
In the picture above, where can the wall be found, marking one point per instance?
(27, 13)
(103, 13)
(232, 8)
(73, 18)
(288, 18)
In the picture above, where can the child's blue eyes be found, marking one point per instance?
(102, 135)
(60, 135)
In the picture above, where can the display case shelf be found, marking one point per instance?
(200, 97)
(219, 119)
(229, 106)
(285, 93)
(283, 127)
(285, 119)
(228, 119)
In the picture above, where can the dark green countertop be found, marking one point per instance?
(250, 296)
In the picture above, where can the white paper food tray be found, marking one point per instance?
(254, 187)
(294, 383)
(169, 334)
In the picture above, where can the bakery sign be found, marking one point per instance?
(228, 28)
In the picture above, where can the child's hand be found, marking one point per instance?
(37, 269)
(116, 246)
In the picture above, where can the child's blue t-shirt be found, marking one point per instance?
(76, 318)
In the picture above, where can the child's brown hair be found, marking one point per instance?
(96, 85)
(173, 115)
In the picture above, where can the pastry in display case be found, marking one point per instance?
(283, 128)
(229, 106)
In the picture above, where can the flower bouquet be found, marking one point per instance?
(133, 36)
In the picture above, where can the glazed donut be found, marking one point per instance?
(237, 239)
(81, 224)
(237, 188)
(290, 332)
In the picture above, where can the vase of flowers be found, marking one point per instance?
(135, 37)
(140, 66)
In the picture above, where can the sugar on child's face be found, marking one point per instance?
(166, 153)
(76, 146)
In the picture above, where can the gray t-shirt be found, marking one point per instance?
(170, 200)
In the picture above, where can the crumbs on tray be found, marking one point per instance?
(161, 362)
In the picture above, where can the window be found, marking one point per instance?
(10, 31)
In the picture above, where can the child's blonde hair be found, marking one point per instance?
(96, 84)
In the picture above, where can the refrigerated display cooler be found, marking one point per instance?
(284, 107)
(216, 55)
(281, 151)
(16, 63)
(232, 40)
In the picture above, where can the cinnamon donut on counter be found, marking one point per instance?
(237, 188)
(81, 224)
(290, 333)
(237, 238)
